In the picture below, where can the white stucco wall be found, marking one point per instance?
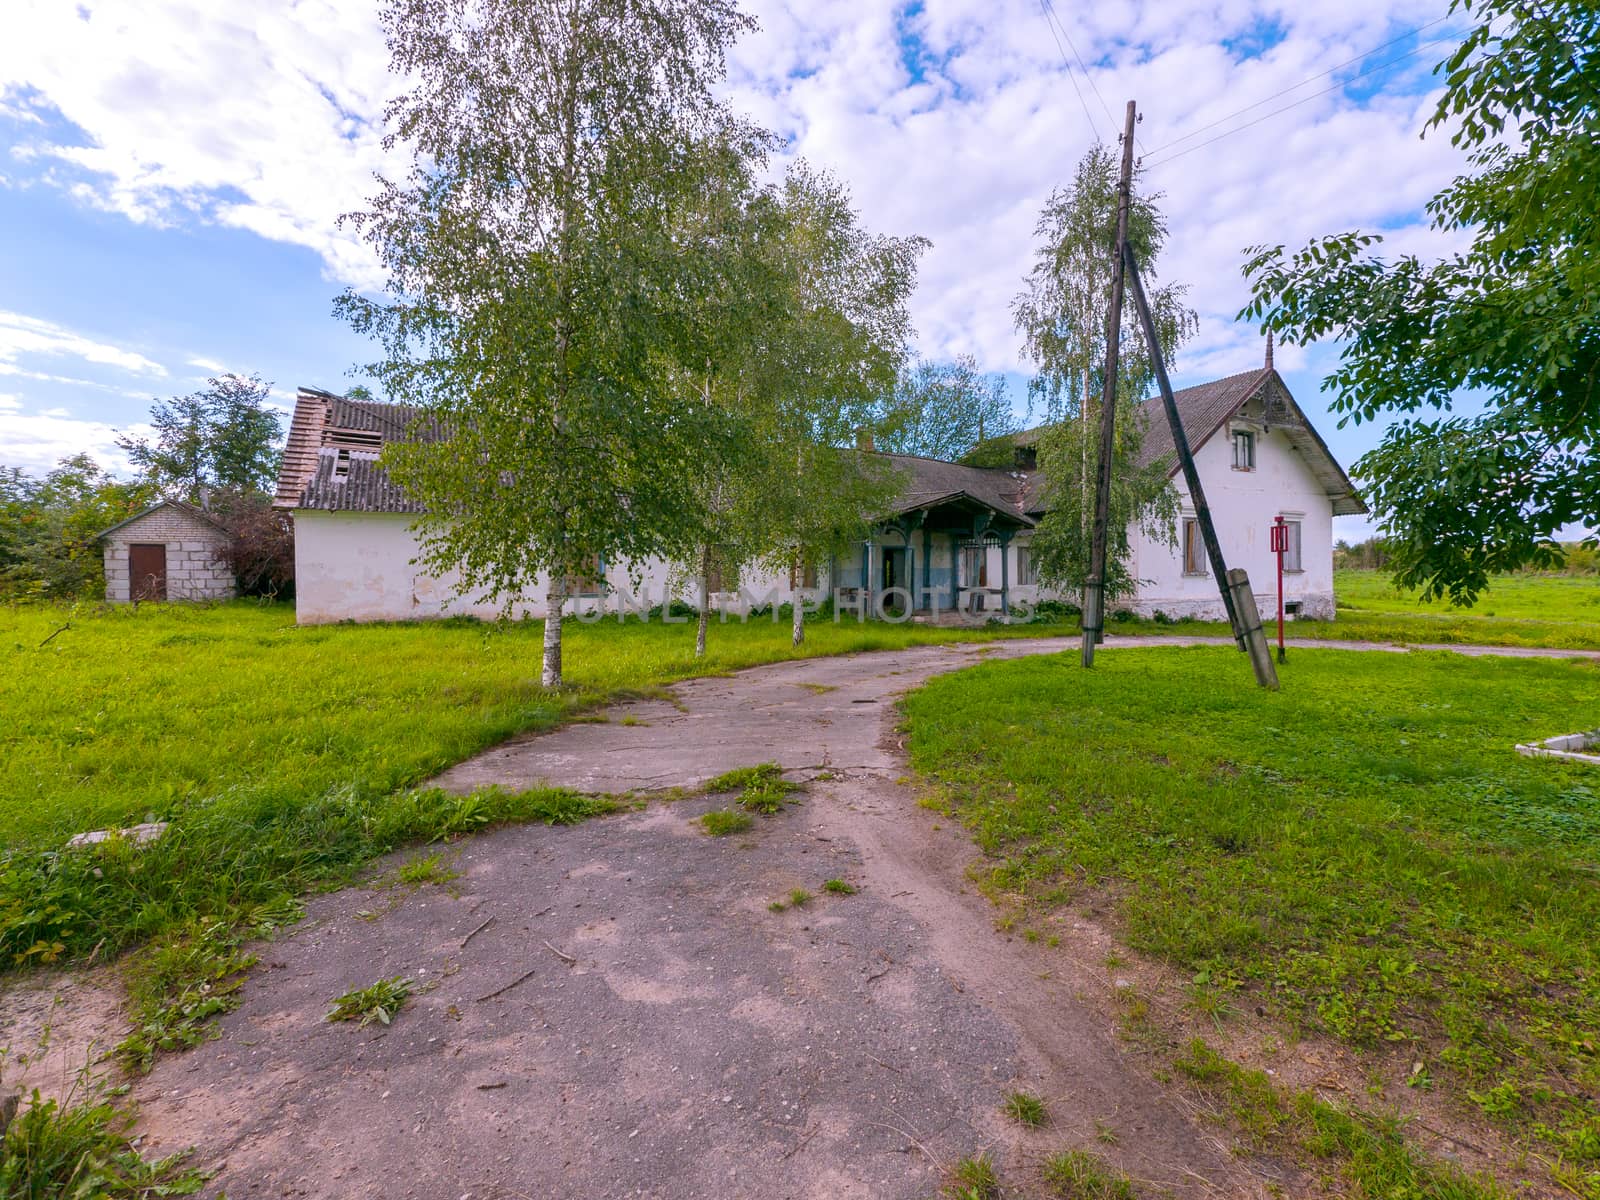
(357, 567)
(1244, 506)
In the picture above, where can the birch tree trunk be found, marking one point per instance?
(555, 602)
(798, 629)
(705, 603)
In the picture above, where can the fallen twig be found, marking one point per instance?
(910, 1138)
(884, 1065)
(800, 1145)
(489, 1087)
(567, 958)
(476, 932)
(507, 987)
(63, 629)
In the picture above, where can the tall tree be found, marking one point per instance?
(831, 362)
(541, 281)
(798, 370)
(219, 438)
(1063, 314)
(1510, 324)
(48, 527)
(943, 410)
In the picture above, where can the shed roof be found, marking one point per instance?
(188, 510)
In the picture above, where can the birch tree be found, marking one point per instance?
(538, 304)
(1063, 314)
(804, 342)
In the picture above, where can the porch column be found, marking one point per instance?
(1005, 574)
(866, 577)
(927, 563)
(910, 581)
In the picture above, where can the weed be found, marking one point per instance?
(50, 1150)
(761, 788)
(632, 721)
(777, 906)
(973, 1179)
(799, 898)
(818, 689)
(1025, 1109)
(376, 1002)
(722, 822)
(1080, 1175)
(1370, 1153)
(423, 870)
(839, 887)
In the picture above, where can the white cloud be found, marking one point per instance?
(37, 441)
(25, 336)
(209, 365)
(267, 118)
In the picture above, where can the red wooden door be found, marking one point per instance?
(147, 571)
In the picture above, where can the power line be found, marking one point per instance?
(1421, 46)
(1051, 15)
(1044, 7)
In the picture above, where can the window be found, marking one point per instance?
(589, 581)
(974, 566)
(723, 575)
(803, 576)
(1291, 554)
(1194, 549)
(1244, 450)
(1025, 575)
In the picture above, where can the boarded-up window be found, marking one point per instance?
(803, 576)
(1194, 550)
(589, 581)
(722, 574)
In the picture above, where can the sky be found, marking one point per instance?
(172, 174)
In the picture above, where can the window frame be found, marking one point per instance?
(1247, 439)
(1294, 559)
(1193, 547)
(576, 586)
(1027, 572)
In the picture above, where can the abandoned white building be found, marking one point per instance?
(170, 551)
(957, 537)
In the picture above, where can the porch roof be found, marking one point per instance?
(948, 491)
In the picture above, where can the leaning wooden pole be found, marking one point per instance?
(1094, 591)
(1180, 442)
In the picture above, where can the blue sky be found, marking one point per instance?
(171, 173)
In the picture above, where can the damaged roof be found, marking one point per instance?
(330, 459)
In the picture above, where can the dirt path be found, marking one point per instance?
(633, 1019)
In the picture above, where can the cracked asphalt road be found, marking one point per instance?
(636, 1021)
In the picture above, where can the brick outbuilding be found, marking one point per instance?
(171, 551)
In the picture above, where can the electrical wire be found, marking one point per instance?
(1295, 87)
(1421, 46)
(1051, 16)
(1044, 7)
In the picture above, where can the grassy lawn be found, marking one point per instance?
(282, 754)
(1361, 854)
(1558, 611)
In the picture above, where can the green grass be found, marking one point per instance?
(839, 887)
(284, 756)
(1025, 1109)
(1362, 854)
(423, 870)
(1557, 611)
(973, 1179)
(379, 1002)
(722, 822)
(1079, 1175)
(1369, 1153)
(51, 1151)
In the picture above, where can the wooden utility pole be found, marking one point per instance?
(1237, 598)
(1094, 591)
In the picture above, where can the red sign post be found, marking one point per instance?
(1280, 547)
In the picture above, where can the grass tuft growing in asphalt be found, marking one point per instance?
(1025, 1109)
(973, 1178)
(722, 822)
(1079, 1175)
(378, 1002)
(81, 1150)
(1363, 855)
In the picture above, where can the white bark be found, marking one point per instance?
(798, 630)
(705, 604)
(556, 602)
